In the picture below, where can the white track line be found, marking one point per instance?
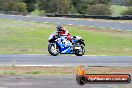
(122, 22)
(70, 24)
(23, 65)
(119, 29)
(112, 28)
(90, 20)
(80, 25)
(108, 21)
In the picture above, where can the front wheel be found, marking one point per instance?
(80, 52)
(53, 49)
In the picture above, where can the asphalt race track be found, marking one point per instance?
(47, 60)
(104, 24)
(55, 81)
(50, 82)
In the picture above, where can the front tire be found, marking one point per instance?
(80, 52)
(53, 49)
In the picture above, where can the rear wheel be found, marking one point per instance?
(80, 52)
(53, 49)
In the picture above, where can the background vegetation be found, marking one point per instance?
(87, 7)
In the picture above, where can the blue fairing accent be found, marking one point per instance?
(65, 48)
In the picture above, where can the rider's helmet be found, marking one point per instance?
(59, 28)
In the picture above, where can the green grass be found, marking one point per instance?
(36, 70)
(33, 73)
(20, 37)
(24, 37)
(117, 10)
(44, 73)
(8, 72)
(61, 70)
(106, 43)
(37, 12)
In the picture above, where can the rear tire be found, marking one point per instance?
(80, 52)
(53, 49)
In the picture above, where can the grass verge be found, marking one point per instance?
(31, 70)
(21, 37)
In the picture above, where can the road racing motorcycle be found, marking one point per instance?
(60, 45)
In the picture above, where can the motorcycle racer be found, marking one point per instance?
(63, 32)
(61, 42)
